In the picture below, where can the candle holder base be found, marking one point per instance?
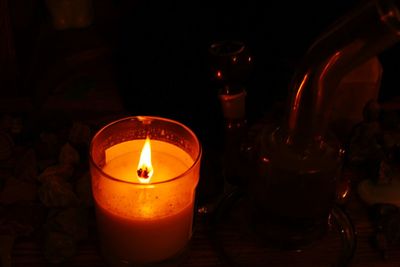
(238, 244)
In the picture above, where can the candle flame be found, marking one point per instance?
(145, 168)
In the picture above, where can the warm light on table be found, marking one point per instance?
(144, 218)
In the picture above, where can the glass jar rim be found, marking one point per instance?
(196, 160)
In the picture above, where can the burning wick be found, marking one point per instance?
(145, 168)
(143, 173)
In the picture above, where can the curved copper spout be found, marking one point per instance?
(360, 35)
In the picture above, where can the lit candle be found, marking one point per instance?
(144, 174)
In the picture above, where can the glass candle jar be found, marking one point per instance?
(143, 219)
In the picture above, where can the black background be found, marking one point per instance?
(162, 53)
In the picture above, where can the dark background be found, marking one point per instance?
(162, 52)
(159, 51)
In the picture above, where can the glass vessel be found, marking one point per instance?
(295, 167)
(144, 220)
(230, 66)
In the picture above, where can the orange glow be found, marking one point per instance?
(345, 194)
(145, 168)
(219, 74)
(296, 103)
(322, 78)
(265, 159)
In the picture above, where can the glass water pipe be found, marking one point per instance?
(362, 34)
(296, 166)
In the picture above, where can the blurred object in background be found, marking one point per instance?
(231, 64)
(355, 90)
(67, 14)
(8, 62)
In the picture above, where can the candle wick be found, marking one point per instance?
(143, 173)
